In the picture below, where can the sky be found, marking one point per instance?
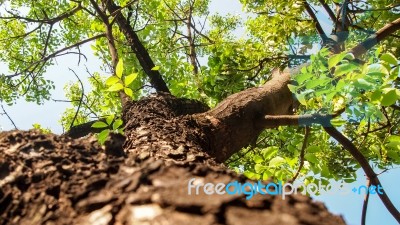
(25, 114)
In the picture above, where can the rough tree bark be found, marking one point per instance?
(50, 179)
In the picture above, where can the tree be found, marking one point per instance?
(347, 89)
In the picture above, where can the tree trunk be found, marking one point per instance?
(51, 179)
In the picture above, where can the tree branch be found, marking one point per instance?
(80, 100)
(235, 122)
(138, 48)
(111, 45)
(50, 21)
(8, 116)
(324, 120)
(328, 9)
(270, 121)
(318, 26)
(377, 37)
(84, 129)
(301, 158)
(54, 54)
(191, 40)
(365, 204)
(347, 144)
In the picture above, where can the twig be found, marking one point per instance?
(301, 158)
(56, 53)
(50, 21)
(8, 116)
(80, 101)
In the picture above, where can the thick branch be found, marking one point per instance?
(138, 48)
(84, 129)
(328, 9)
(108, 32)
(111, 45)
(191, 40)
(347, 144)
(317, 24)
(374, 39)
(360, 10)
(324, 120)
(235, 122)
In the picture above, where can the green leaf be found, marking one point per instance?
(277, 161)
(376, 96)
(389, 58)
(301, 99)
(251, 175)
(363, 84)
(258, 159)
(330, 95)
(311, 158)
(269, 151)
(112, 80)
(120, 68)
(128, 92)
(340, 85)
(117, 124)
(156, 68)
(116, 87)
(267, 174)
(394, 73)
(99, 124)
(109, 119)
(130, 78)
(291, 148)
(259, 168)
(325, 172)
(304, 69)
(313, 148)
(103, 136)
(337, 122)
(292, 88)
(302, 77)
(349, 56)
(389, 98)
(393, 142)
(394, 155)
(377, 70)
(315, 83)
(394, 139)
(335, 59)
(345, 69)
